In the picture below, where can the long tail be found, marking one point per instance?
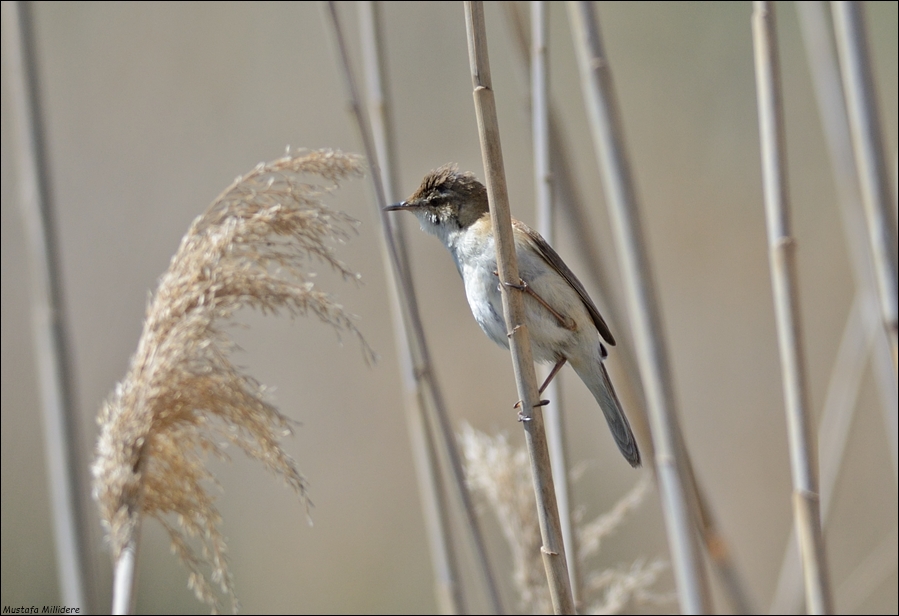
(595, 377)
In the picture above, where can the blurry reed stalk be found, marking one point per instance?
(183, 398)
(414, 373)
(670, 459)
(861, 336)
(397, 272)
(62, 438)
(782, 247)
(552, 549)
(572, 207)
(418, 378)
(543, 189)
(574, 213)
(500, 474)
(825, 72)
(867, 141)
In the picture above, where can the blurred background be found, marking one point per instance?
(151, 109)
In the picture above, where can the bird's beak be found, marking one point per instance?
(402, 205)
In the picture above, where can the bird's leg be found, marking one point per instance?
(552, 374)
(566, 323)
(524, 287)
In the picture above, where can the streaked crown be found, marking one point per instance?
(448, 196)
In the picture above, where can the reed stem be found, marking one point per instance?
(782, 247)
(554, 412)
(864, 121)
(417, 337)
(431, 488)
(553, 549)
(61, 435)
(608, 140)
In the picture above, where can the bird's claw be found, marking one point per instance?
(522, 286)
(521, 415)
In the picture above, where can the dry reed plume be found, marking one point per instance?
(182, 398)
(500, 474)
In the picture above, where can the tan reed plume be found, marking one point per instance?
(182, 398)
(499, 474)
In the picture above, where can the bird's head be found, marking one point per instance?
(447, 201)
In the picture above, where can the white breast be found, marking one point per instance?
(475, 254)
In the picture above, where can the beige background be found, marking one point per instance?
(152, 109)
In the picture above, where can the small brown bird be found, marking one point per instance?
(563, 321)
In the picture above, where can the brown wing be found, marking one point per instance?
(552, 257)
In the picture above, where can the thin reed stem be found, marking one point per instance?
(553, 549)
(782, 247)
(554, 412)
(124, 576)
(859, 340)
(571, 206)
(864, 121)
(445, 433)
(61, 435)
(586, 243)
(621, 200)
(415, 378)
(824, 68)
(833, 436)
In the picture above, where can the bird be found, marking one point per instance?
(563, 322)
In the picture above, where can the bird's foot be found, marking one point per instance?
(522, 416)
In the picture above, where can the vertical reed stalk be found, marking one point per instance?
(859, 339)
(445, 433)
(782, 247)
(124, 576)
(861, 101)
(649, 340)
(554, 411)
(553, 549)
(586, 242)
(862, 330)
(574, 213)
(825, 72)
(415, 376)
(61, 435)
